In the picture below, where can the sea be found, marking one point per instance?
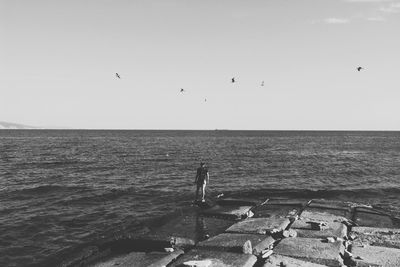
(60, 189)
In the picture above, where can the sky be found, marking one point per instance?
(58, 61)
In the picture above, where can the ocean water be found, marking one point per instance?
(60, 189)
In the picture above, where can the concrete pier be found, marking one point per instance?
(260, 232)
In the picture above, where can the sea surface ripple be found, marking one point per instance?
(63, 188)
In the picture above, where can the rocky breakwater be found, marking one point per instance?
(253, 232)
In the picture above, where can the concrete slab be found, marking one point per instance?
(368, 210)
(330, 204)
(141, 259)
(337, 212)
(376, 256)
(217, 258)
(326, 216)
(288, 201)
(383, 237)
(255, 225)
(333, 207)
(312, 250)
(234, 242)
(304, 229)
(369, 218)
(229, 212)
(188, 229)
(266, 211)
(278, 260)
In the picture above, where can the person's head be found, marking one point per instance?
(202, 164)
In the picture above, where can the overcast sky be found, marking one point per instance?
(58, 61)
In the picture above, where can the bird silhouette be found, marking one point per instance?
(183, 90)
(233, 79)
(360, 68)
(116, 74)
(205, 99)
(262, 83)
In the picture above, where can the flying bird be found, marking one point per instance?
(233, 79)
(360, 68)
(116, 74)
(183, 90)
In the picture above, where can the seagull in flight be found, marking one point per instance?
(233, 79)
(360, 68)
(116, 74)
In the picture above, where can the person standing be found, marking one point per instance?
(201, 180)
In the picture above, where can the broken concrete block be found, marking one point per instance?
(267, 243)
(217, 258)
(267, 254)
(312, 250)
(254, 225)
(229, 212)
(376, 256)
(330, 239)
(383, 237)
(283, 261)
(247, 248)
(233, 242)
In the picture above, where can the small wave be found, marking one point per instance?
(44, 189)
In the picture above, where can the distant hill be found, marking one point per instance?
(10, 125)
